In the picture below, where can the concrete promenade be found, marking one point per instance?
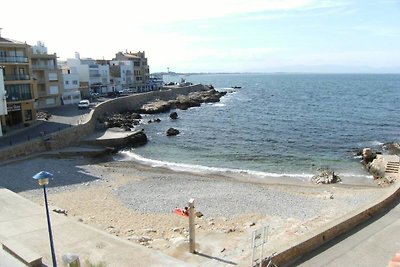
(372, 243)
(62, 117)
(24, 222)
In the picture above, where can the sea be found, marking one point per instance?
(277, 125)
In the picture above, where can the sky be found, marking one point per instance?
(217, 35)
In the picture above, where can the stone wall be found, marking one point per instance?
(73, 135)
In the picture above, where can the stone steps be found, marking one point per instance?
(393, 167)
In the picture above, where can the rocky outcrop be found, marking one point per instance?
(392, 148)
(368, 155)
(126, 120)
(384, 168)
(194, 99)
(157, 106)
(326, 177)
(139, 138)
(172, 132)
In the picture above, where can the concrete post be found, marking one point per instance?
(192, 248)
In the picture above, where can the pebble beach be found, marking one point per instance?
(136, 202)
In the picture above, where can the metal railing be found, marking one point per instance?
(14, 59)
(16, 77)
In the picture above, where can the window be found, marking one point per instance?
(53, 76)
(75, 82)
(17, 92)
(54, 89)
(66, 82)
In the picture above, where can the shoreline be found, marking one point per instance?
(135, 202)
(242, 174)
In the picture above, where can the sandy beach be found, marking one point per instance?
(135, 202)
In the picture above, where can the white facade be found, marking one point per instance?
(3, 102)
(71, 94)
(82, 70)
(123, 74)
(95, 75)
(39, 48)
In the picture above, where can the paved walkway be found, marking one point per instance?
(373, 243)
(62, 117)
(25, 222)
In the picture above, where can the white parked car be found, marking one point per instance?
(83, 104)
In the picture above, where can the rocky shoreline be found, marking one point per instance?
(127, 120)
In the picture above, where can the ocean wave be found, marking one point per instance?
(354, 175)
(219, 104)
(373, 143)
(130, 156)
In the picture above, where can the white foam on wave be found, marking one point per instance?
(374, 143)
(129, 155)
(353, 175)
(219, 105)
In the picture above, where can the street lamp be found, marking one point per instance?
(43, 179)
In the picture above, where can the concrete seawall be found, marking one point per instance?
(317, 238)
(73, 135)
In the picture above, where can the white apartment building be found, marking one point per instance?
(3, 101)
(71, 94)
(121, 75)
(95, 76)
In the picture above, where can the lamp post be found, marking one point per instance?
(43, 179)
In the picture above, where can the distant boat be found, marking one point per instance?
(236, 87)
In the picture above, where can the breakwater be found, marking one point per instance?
(74, 135)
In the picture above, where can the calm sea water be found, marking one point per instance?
(279, 125)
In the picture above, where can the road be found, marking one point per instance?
(62, 117)
(373, 243)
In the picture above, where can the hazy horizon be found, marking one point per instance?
(218, 36)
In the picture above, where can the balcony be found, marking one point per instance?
(43, 67)
(14, 59)
(16, 77)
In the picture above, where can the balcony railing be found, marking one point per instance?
(43, 67)
(16, 77)
(14, 59)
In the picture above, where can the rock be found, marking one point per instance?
(326, 177)
(367, 155)
(392, 148)
(198, 214)
(157, 106)
(172, 132)
(126, 119)
(173, 115)
(144, 239)
(138, 138)
(249, 224)
(377, 167)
